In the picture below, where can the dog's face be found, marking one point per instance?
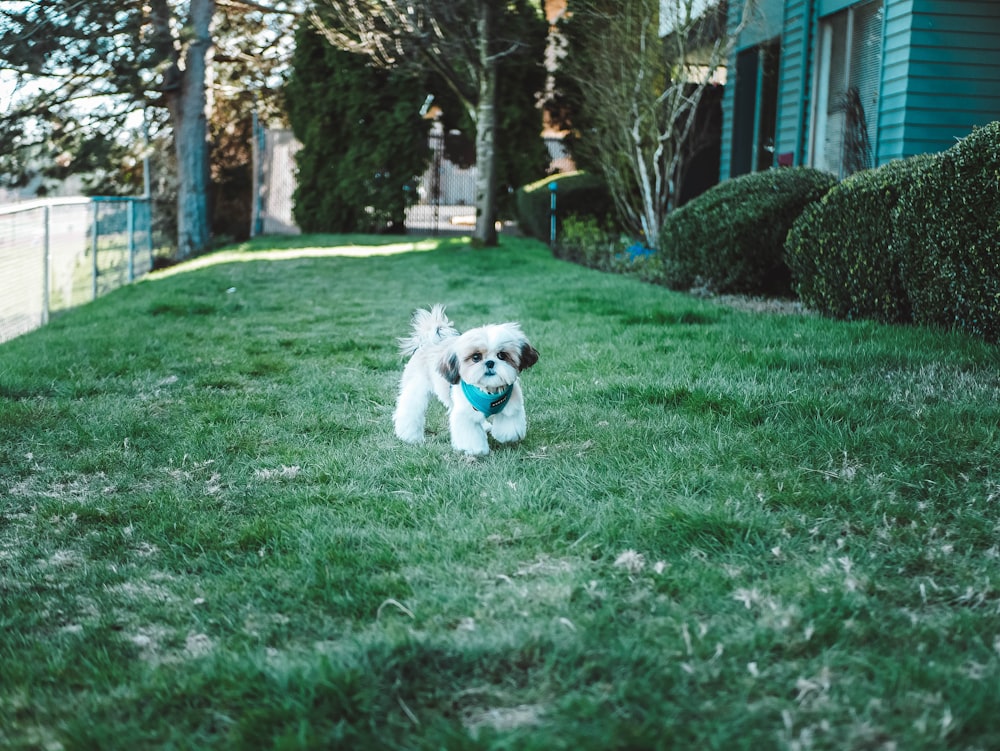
(488, 357)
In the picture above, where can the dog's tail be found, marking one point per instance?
(429, 327)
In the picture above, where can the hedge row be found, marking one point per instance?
(917, 240)
(730, 238)
(840, 250)
(948, 235)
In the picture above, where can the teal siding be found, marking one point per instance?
(796, 62)
(940, 73)
(953, 81)
(828, 7)
(771, 21)
(765, 25)
(895, 80)
(728, 101)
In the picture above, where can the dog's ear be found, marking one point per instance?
(448, 368)
(529, 356)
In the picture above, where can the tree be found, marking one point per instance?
(87, 68)
(632, 79)
(363, 139)
(184, 95)
(460, 41)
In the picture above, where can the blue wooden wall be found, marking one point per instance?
(795, 78)
(940, 73)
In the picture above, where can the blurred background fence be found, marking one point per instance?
(58, 253)
(446, 192)
(445, 199)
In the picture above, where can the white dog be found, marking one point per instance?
(474, 375)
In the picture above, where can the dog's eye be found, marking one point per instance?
(502, 356)
(476, 357)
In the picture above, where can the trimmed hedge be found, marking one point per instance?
(841, 250)
(948, 237)
(731, 238)
(577, 194)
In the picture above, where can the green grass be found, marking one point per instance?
(724, 530)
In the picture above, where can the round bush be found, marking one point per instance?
(948, 235)
(840, 248)
(577, 194)
(731, 238)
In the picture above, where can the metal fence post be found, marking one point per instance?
(131, 240)
(149, 230)
(553, 186)
(93, 253)
(259, 145)
(46, 265)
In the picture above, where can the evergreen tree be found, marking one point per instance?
(364, 142)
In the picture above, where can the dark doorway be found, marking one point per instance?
(755, 108)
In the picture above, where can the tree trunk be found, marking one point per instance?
(485, 234)
(187, 113)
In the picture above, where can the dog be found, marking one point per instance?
(475, 375)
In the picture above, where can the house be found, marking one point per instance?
(846, 84)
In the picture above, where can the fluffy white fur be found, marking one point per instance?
(489, 357)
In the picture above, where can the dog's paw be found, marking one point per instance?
(473, 451)
(410, 434)
(508, 431)
(471, 444)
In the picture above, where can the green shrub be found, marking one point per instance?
(731, 238)
(948, 235)
(578, 194)
(840, 249)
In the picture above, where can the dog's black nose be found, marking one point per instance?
(490, 364)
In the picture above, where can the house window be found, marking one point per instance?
(755, 108)
(846, 82)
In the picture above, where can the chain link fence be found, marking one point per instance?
(274, 152)
(59, 253)
(446, 193)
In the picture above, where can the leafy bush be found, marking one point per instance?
(731, 238)
(840, 249)
(577, 194)
(948, 233)
(585, 241)
(588, 242)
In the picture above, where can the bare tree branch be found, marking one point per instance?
(641, 95)
(250, 5)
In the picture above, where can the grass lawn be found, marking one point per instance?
(724, 529)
